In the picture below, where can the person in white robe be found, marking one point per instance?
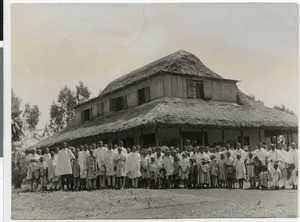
(283, 166)
(184, 169)
(109, 159)
(274, 156)
(240, 170)
(82, 155)
(168, 165)
(133, 167)
(202, 161)
(227, 149)
(99, 154)
(239, 151)
(63, 166)
(292, 157)
(262, 155)
(120, 145)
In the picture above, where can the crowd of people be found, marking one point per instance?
(108, 166)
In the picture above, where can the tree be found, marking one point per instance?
(16, 122)
(82, 93)
(284, 109)
(62, 112)
(56, 118)
(31, 116)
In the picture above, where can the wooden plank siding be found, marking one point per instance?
(165, 85)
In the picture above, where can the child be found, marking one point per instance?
(292, 176)
(250, 170)
(240, 171)
(91, 170)
(76, 172)
(214, 171)
(264, 178)
(145, 161)
(154, 173)
(43, 173)
(192, 173)
(176, 172)
(222, 171)
(229, 170)
(52, 178)
(276, 176)
(184, 169)
(120, 159)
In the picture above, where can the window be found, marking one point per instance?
(199, 89)
(100, 109)
(143, 95)
(118, 103)
(86, 115)
(196, 138)
(245, 138)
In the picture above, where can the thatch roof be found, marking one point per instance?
(179, 62)
(179, 112)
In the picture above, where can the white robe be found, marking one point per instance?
(262, 155)
(47, 158)
(82, 155)
(99, 154)
(168, 164)
(109, 162)
(240, 152)
(63, 165)
(240, 169)
(292, 157)
(133, 165)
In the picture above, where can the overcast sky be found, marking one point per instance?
(59, 44)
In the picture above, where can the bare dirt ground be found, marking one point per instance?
(154, 204)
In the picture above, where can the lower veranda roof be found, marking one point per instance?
(180, 112)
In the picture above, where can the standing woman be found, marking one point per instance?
(63, 166)
(203, 161)
(133, 167)
(120, 160)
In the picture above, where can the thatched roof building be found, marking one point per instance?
(174, 98)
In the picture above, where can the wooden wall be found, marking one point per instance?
(181, 86)
(170, 86)
(156, 91)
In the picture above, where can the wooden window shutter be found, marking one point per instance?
(190, 88)
(91, 113)
(112, 105)
(147, 94)
(82, 116)
(207, 89)
(125, 102)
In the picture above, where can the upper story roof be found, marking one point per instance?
(180, 62)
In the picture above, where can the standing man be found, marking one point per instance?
(63, 167)
(261, 155)
(100, 159)
(82, 155)
(110, 165)
(240, 152)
